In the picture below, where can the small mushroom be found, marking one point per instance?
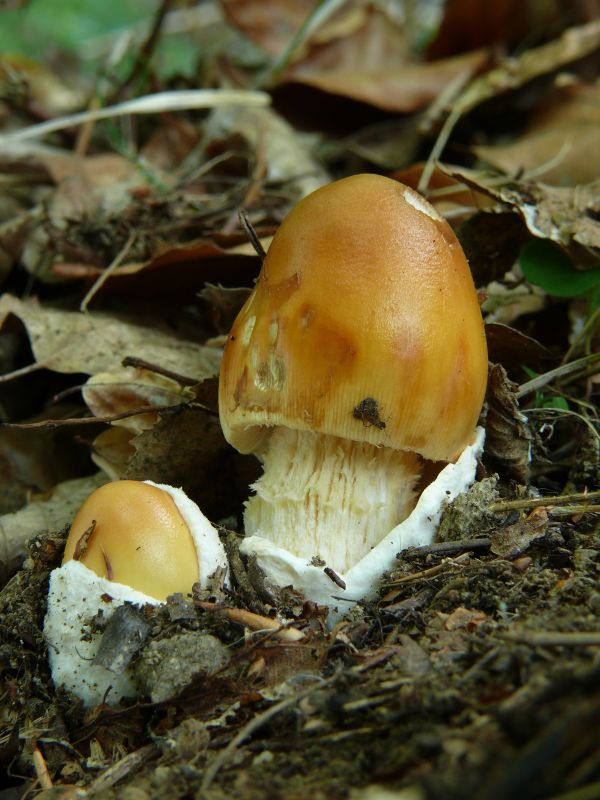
(131, 541)
(359, 355)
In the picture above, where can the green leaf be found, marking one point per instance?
(544, 263)
(555, 402)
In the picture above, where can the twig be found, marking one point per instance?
(251, 234)
(554, 638)
(182, 380)
(560, 372)
(115, 773)
(447, 563)
(157, 103)
(105, 274)
(255, 724)
(543, 502)
(571, 510)
(41, 769)
(438, 548)
(255, 622)
(144, 54)
(19, 373)
(51, 424)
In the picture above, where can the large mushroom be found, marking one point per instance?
(359, 354)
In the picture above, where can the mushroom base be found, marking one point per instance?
(330, 500)
(283, 568)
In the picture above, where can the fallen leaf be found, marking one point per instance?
(129, 388)
(466, 618)
(566, 215)
(513, 540)
(69, 341)
(512, 348)
(561, 146)
(508, 437)
(514, 72)
(42, 516)
(402, 88)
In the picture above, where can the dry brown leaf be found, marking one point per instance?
(566, 215)
(469, 24)
(271, 25)
(126, 389)
(42, 516)
(562, 143)
(187, 448)
(508, 437)
(286, 156)
(394, 88)
(464, 618)
(573, 44)
(111, 451)
(33, 85)
(513, 348)
(512, 540)
(69, 341)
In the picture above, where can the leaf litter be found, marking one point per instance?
(123, 261)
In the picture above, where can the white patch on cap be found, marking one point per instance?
(418, 202)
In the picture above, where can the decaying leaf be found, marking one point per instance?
(33, 84)
(573, 44)
(186, 447)
(42, 515)
(284, 154)
(561, 146)
(69, 341)
(404, 88)
(566, 215)
(130, 388)
(513, 349)
(506, 301)
(508, 437)
(513, 540)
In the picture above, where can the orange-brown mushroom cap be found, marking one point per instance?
(133, 533)
(364, 324)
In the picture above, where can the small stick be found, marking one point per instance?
(252, 235)
(41, 769)
(437, 548)
(105, 274)
(134, 361)
(254, 725)
(537, 502)
(116, 772)
(432, 571)
(50, 424)
(555, 638)
(255, 622)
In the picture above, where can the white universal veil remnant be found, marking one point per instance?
(358, 359)
(131, 541)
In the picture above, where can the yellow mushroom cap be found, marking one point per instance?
(139, 539)
(364, 324)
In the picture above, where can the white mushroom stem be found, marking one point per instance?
(331, 498)
(283, 568)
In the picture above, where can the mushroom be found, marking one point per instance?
(131, 541)
(359, 356)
